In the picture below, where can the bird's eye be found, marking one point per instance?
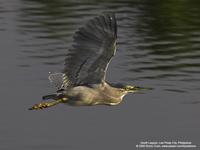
(123, 89)
(128, 87)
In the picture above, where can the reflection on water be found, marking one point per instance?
(171, 39)
(2, 18)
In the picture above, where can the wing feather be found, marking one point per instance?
(93, 46)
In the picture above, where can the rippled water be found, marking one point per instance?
(158, 47)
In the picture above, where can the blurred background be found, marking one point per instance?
(158, 47)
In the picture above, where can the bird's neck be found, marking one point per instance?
(113, 92)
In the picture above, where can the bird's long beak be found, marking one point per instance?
(130, 88)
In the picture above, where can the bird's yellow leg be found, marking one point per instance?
(47, 104)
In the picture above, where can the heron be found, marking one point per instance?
(83, 78)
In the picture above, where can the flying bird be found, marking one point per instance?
(82, 82)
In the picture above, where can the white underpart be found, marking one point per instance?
(123, 96)
(114, 103)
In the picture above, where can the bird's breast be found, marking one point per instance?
(83, 95)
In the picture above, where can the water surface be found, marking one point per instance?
(158, 47)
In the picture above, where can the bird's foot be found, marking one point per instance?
(45, 105)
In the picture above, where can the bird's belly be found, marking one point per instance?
(81, 95)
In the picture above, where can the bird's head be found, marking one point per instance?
(124, 89)
(130, 88)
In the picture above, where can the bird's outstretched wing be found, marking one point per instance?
(93, 46)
